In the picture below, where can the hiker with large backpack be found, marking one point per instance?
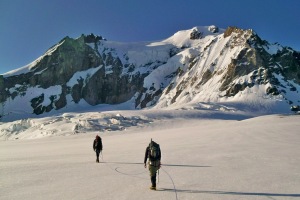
(97, 146)
(153, 153)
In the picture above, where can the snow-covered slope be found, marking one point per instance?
(231, 68)
(100, 120)
(27, 68)
(202, 92)
(253, 159)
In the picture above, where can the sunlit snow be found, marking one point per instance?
(208, 152)
(213, 147)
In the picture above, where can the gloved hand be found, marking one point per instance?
(145, 165)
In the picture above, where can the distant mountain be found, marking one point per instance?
(203, 64)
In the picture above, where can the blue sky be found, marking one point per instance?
(29, 27)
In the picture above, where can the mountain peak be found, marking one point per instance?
(234, 29)
(91, 38)
(191, 37)
(201, 64)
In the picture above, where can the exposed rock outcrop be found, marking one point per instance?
(211, 67)
(195, 34)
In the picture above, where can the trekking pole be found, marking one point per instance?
(158, 175)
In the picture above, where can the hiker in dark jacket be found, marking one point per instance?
(97, 146)
(154, 154)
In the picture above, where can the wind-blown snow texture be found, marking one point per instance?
(205, 157)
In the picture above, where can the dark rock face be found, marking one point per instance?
(262, 64)
(195, 35)
(59, 66)
(72, 56)
(295, 108)
(92, 38)
(61, 69)
(230, 30)
(291, 59)
(238, 67)
(62, 100)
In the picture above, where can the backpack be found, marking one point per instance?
(98, 143)
(154, 153)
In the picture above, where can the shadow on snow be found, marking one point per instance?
(169, 165)
(232, 193)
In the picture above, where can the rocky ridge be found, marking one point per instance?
(203, 64)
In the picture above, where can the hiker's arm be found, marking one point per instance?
(146, 156)
(159, 158)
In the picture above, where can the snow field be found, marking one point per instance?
(257, 158)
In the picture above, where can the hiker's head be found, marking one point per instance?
(97, 137)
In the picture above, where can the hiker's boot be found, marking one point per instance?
(153, 181)
(152, 188)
